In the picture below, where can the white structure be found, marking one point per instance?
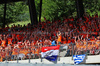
(67, 60)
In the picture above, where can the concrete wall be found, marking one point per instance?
(19, 64)
(66, 60)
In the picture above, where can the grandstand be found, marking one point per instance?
(26, 42)
(75, 37)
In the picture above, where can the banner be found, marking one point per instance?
(78, 58)
(50, 53)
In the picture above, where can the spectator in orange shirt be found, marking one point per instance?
(9, 39)
(15, 52)
(59, 37)
(3, 44)
(47, 42)
(33, 52)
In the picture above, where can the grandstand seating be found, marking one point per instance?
(28, 40)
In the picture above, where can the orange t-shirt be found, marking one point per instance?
(33, 51)
(3, 54)
(77, 46)
(89, 47)
(15, 52)
(21, 51)
(85, 43)
(3, 43)
(19, 37)
(94, 45)
(83, 47)
(64, 42)
(69, 41)
(9, 40)
(37, 51)
(26, 51)
(97, 42)
(59, 38)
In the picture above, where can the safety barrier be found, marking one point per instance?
(19, 64)
(32, 52)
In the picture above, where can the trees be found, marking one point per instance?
(16, 11)
(57, 9)
(92, 6)
(51, 9)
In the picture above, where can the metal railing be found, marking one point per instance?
(34, 52)
(91, 48)
(23, 53)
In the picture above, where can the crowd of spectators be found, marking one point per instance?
(27, 41)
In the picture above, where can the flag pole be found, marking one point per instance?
(72, 50)
(59, 55)
(41, 57)
(17, 56)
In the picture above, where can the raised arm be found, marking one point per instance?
(75, 39)
(81, 37)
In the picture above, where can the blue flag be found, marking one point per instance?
(78, 58)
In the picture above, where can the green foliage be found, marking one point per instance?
(91, 6)
(17, 11)
(51, 9)
(57, 9)
(20, 23)
(1, 14)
